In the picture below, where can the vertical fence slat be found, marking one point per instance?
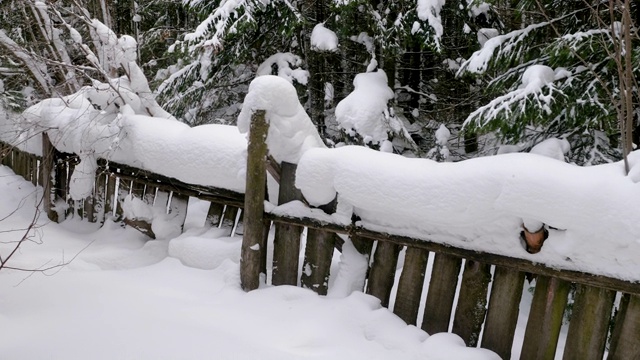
(5, 154)
(110, 201)
(19, 162)
(34, 170)
(254, 226)
(442, 291)
(179, 205)
(89, 208)
(545, 318)
(286, 243)
(317, 260)
(48, 173)
(149, 194)
(99, 204)
(364, 246)
(383, 270)
(504, 307)
(589, 325)
(40, 171)
(214, 214)
(69, 165)
(137, 189)
(124, 186)
(410, 284)
(229, 218)
(472, 301)
(625, 343)
(26, 161)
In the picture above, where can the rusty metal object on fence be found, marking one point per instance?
(534, 240)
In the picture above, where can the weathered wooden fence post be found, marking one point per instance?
(286, 243)
(254, 226)
(48, 173)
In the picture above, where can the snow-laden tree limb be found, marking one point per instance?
(37, 69)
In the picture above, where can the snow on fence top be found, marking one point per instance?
(476, 204)
(480, 204)
(291, 131)
(210, 155)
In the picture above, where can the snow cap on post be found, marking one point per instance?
(291, 131)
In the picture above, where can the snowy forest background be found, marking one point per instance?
(463, 78)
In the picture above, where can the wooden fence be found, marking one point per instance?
(594, 324)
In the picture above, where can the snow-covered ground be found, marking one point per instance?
(125, 297)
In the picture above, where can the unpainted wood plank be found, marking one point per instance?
(442, 291)
(110, 196)
(229, 217)
(214, 214)
(66, 182)
(149, 194)
(124, 187)
(286, 242)
(410, 285)
(40, 171)
(15, 160)
(29, 164)
(625, 340)
(253, 249)
(100, 197)
(178, 207)
(317, 260)
(472, 302)
(589, 324)
(383, 271)
(502, 314)
(545, 318)
(89, 208)
(34, 169)
(5, 154)
(137, 189)
(48, 172)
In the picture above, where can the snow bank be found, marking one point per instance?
(291, 131)
(480, 203)
(155, 307)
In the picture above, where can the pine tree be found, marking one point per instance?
(558, 76)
